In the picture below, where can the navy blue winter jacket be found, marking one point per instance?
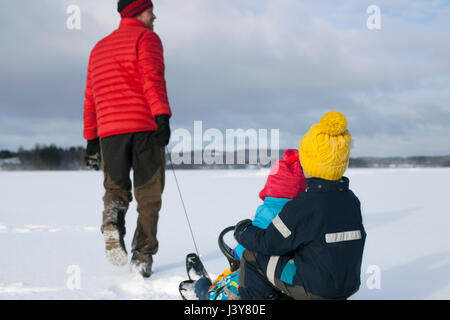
(321, 232)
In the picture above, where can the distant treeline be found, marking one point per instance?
(399, 162)
(43, 157)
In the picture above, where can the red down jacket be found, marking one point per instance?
(125, 87)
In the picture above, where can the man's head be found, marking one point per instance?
(147, 17)
(138, 9)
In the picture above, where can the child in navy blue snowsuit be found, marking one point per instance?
(313, 248)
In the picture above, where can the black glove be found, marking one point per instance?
(162, 135)
(240, 228)
(92, 158)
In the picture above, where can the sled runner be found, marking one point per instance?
(194, 267)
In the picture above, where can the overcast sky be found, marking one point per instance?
(253, 64)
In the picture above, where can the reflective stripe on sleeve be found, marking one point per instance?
(281, 227)
(343, 236)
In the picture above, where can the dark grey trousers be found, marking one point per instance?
(120, 154)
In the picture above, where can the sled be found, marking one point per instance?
(227, 251)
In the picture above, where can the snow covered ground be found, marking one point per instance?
(51, 246)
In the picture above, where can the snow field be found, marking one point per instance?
(52, 247)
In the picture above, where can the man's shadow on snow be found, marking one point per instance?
(418, 279)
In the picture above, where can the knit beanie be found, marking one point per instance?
(286, 179)
(325, 149)
(132, 8)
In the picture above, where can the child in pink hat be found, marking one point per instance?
(284, 183)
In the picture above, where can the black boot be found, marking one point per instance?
(141, 264)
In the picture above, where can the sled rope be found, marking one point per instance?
(182, 202)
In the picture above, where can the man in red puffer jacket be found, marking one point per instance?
(126, 120)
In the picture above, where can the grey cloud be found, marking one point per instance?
(259, 64)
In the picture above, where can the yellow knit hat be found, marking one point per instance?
(325, 149)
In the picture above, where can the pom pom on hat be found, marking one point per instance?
(291, 155)
(333, 123)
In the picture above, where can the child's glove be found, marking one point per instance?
(92, 158)
(240, 228)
